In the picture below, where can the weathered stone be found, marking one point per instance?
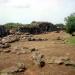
(38, 59)
(21, 67)
(37, 39)
(57, 60)
(5, 45)
(27, 33)
(21, 50)
(73, 34)
(70, 63)
(61, 60)
(12, 31)
(25, 50)
(38, 27)
(33, 49)
(18, 33)
(10, 39)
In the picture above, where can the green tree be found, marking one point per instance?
(12, 25)
(70, 23)
(60, 25)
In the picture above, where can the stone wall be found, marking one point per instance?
(38, 27)
(3, 31)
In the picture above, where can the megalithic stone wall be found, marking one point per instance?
(38, 27)
(3, 31)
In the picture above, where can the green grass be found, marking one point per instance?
(71, 40)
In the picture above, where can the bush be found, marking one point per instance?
(70, 23)
(12, 25)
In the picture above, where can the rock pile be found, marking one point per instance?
(22, 50)
(25, 37)
(57, 60)
(61, 60)
(10, 39)
(37, 39)
(4, 45)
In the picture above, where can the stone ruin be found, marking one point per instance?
(3, 31)
(38, 27)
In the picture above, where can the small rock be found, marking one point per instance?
(21, 67)
(6, 50)
(33, 49)
(58, 38)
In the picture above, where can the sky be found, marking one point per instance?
(26, 11)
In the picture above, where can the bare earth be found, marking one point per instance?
(49, 48)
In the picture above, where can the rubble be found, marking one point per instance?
(57, 60)
(61, 60)
(21, 50)
(10, 39)
(5, 45)
(70, 63)
(37, 39)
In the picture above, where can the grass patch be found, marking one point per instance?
(71, 40)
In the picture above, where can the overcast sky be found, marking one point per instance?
(25, 11)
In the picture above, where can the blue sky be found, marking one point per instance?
(25, 11)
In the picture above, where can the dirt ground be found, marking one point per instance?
(49, 48)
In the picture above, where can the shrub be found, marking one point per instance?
(70, 23)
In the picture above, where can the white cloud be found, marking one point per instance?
(3, 1)
(28, 10)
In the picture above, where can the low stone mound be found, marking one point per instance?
(10, 39)
(23, 50)
(58, 60)
(37, 39)
(61, 60)
(25, 37)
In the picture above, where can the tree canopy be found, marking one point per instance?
(70, 23)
